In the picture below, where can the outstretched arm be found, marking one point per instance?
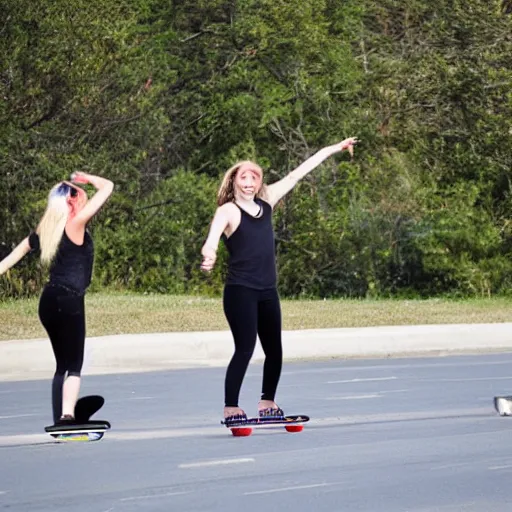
(278, 190)
(16, 255)
(104, 188)
(209, 251)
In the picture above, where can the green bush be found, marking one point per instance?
(162, 97)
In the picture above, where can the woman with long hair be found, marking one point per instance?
(251, 303)
(65, 247)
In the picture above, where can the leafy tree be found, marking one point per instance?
(163, 96)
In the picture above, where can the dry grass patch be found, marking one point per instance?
(116, 313)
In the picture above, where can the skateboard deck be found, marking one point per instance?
(244, 428)
(84, 429)
(503, 405)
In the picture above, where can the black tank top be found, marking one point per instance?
(72, 265)
(251, 249)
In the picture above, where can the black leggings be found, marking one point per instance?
(62, 314)
(250, 312)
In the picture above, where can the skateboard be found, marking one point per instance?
(243, 428)
(503, 405)
(84, 429)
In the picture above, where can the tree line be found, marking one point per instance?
(163, 96)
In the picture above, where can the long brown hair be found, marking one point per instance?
(226, 193)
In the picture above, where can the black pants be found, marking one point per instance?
(249, 313)
(62, 314)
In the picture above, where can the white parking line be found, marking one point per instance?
(377, 394)
(466, 379)
(16, 416)
(349, 381)
(450, 466)
(285, 489)
(151, 496)
(353, 397)
(10, 391)
(221, 462)
(397, 366)
(496, 468)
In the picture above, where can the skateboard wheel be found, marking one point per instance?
(294, 428)
(84, 437)
(241, 431)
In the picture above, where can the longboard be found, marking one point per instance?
(243, 428)
(84, 429)
(503, 405)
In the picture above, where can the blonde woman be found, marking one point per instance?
(251, 303)
(67, 248)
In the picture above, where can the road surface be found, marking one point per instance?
(386, 435)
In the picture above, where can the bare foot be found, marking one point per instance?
(233, 411)
(66, 419)
(269, 408)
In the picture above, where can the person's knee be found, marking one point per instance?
(273, 350)
(60, 371)
(244, 355)
(74, 363)
(58, 379)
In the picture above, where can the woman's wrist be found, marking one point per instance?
(210, 246)
(91, 179)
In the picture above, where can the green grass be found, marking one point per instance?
(117, 313)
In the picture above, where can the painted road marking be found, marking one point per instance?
(285, 489)
(221, 462)
(152, 496)
(466, 379)
(385, 366)
(352, 397)
(350, 381)
(496, 468)
(16, 416)
(377, 394)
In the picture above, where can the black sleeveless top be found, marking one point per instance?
(72, 265)
(251, 249)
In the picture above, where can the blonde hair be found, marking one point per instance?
(52, 224)
(226, 193)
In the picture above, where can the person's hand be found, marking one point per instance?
(80, 177)
(209, 256)
(347, 144)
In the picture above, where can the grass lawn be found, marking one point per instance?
(117, 313)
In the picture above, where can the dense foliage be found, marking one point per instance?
(163, 96)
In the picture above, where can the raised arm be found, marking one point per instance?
(278, 190)
(22, 249)
(219, 224)
(104, 189)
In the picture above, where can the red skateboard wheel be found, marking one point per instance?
(294, 428)
(241, 431)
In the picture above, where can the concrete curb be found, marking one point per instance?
(33, 359)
